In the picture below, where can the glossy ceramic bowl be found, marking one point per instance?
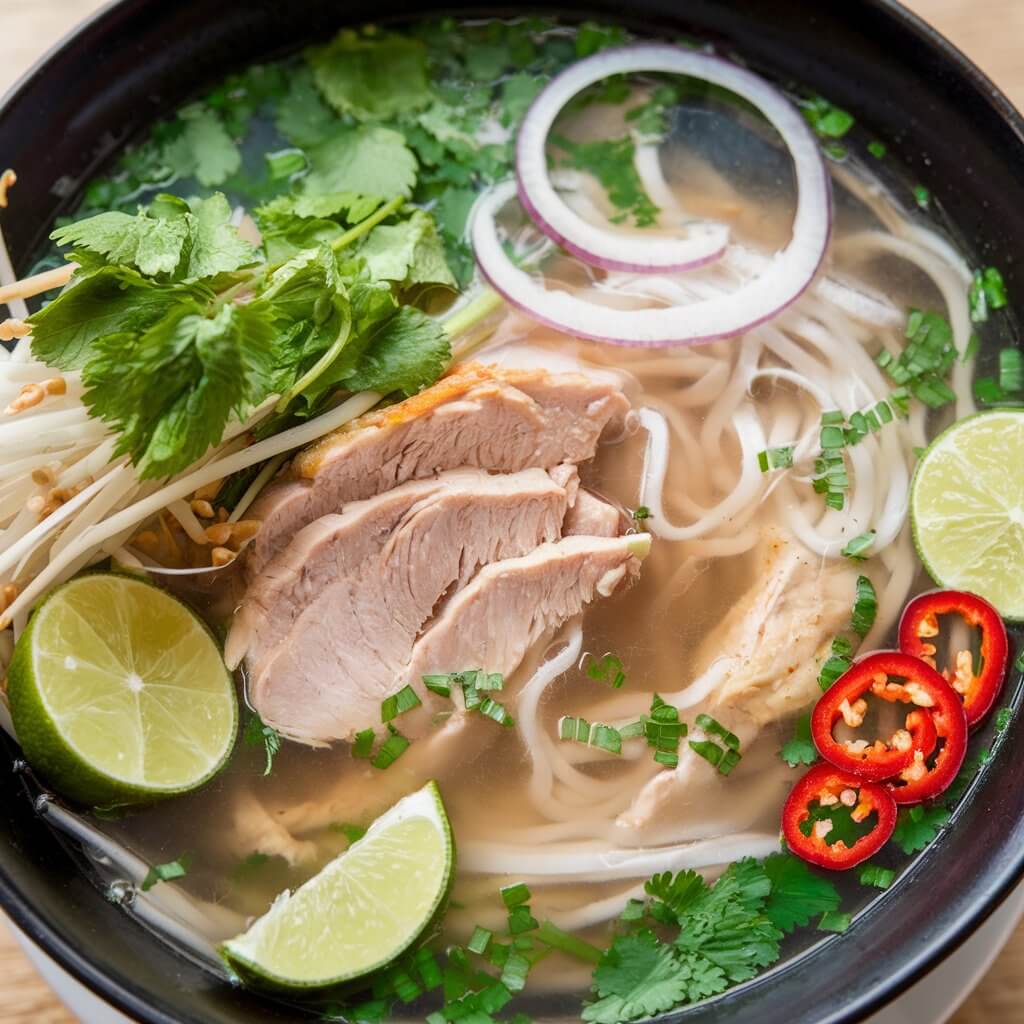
(945, 121)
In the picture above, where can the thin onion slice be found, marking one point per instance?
(705, 241)
(785, 276)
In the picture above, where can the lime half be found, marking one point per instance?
(119, 693)
(967, 508)
(364, 909)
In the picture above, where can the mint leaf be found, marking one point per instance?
(408, 353)
(204, 149)
(302, 117)
(637, 977)
(797, 893)
(148, 244)
(366, 159)
(170, 390)
(113, 300)
(408, 253)
(800, 749)
(216, 246)
(371, 77)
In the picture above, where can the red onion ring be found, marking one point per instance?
(784, 279)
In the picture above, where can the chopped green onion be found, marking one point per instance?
(634, 729)
(490, 680)
(398, 703)
(878, 877)
(715, 728)
(513, 974)
(834, 921)
(711, 752)
(363, 744)
(1011, 369)
(553, 936)
(865, 607)
(521, 920)
(577, 729)
(166, 872)
(877, 149)
(987, 291)
(403, 984)
(479, 940)
(884, 412)
(608, 669)
(987, 390)
(391, 749)
(858, 547)
(606, 738)
(730, 759)
(827, 121)
(669, 759)
(971, 349)
(833, 437)
(642, 513)
(439, 684)
(515, 895)
(497, 712)
(427, 966)
(775, 458)
(285, 163)
(1019, 663)
(922, 196)
(832, 418)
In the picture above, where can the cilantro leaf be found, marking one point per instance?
(150, 245)
(166, 872)
(637, 977)
(113, 300)
(917, 826)
(517, 93)
(216, 247)
(372, 77)
(368, 159)
(677, 891)
(170, 390)
(204, 149)
(408, 353)
(171, 239)
(301, 115)
(611, 162)
(797, 893)
(408, 253)
(800, 749)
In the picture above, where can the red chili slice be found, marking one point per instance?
(845, 700)
(920, 625)
(828, 786)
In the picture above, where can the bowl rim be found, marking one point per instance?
(42, 931)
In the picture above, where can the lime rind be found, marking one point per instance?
(82, 723)
(361, 911)
(967, 508)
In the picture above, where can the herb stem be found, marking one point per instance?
(369, 224)
(319, 367)
(486, 303)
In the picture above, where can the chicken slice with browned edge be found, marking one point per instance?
(502, 420)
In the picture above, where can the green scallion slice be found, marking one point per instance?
(398, 703)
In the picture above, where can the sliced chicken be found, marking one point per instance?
(392, 558)
(775, 638)
(760, 665)
(326, 682)
(498, 419)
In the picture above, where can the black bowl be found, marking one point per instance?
(945, 121)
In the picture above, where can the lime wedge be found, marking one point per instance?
(364, 909)
(119, 694)
(967, 508)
